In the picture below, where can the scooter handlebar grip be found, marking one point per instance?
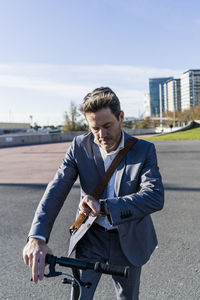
(112, 269)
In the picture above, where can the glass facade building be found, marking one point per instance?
(190, 89)
(156, 94)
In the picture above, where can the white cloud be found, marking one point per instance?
(73, 82)
(39, 84)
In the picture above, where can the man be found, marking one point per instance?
(120, 229)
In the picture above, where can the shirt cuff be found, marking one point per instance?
(40, 237)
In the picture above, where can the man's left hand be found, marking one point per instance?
(89, 206)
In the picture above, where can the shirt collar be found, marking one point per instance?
(121, 146)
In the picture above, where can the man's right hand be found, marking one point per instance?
(34, 254)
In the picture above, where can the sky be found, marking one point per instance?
(53, 52)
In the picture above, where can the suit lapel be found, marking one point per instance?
(121, 168)
(98, 159)
(99, 165)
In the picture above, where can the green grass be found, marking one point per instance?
(190, 134)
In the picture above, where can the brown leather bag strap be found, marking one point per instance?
(104, 181)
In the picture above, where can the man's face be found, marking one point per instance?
(106, 128)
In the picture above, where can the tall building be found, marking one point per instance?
(190, 89)
(172, 95)
(156, 94)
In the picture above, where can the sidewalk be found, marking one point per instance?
(35, 164)
(31, 164)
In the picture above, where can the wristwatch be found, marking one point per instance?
(103, 207)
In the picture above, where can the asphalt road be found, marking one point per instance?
(173, 273)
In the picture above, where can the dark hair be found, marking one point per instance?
(102, 97)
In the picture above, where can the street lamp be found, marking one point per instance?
(31, 120)
(161, 115)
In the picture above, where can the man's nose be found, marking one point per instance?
(102, 132)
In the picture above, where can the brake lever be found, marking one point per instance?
(52, 270)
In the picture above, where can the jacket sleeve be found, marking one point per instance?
(55, 195)
(149, 198)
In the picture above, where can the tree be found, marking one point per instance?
(36, 126)
(73, 122)
(184, 116)
(196, 112)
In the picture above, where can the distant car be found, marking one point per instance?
(58, 130)
(31, 130)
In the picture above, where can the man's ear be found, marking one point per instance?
(121, 116)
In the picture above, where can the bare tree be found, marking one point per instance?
(73, 120)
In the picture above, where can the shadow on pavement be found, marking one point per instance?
(180, 188)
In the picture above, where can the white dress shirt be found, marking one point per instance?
(108, 158)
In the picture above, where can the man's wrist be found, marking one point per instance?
(37, 237)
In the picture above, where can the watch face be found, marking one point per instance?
(102, 207)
